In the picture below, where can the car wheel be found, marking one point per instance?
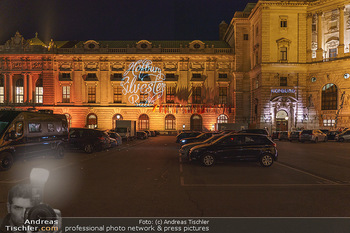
(341, 139)
(6, 161)
(316, 140)
(59, 152)
(88, 148)
(208, 160)
(325, 139)
(266, 160)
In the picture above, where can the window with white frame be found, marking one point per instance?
(328, 123)
(222, 119)
(65, 94)
(2, 90)
(19, 91)
(39, 91)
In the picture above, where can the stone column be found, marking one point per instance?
(10, 88)
(25, 88)
(309, 37)
(319, 51)
(29, 88)
(5, 88)
(341, 32)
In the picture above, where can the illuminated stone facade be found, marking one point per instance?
(83, 80)
(283, 65)
(296, 57)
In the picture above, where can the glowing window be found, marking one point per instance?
(329, 97)
(170, 123)
(91, 121)
(19, 91)
(222, 118)
(39, 91)
(143, 122)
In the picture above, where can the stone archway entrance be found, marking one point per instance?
(282, 121)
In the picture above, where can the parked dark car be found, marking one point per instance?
(157, 132)
(201, 137)
(88, 140)
(187, 134)
(275, 135)
(149, 134)
(294, 136)
(255, 131)
(343, 136)
(186, 148)
(325, 131)
(313, 136)
(284, 135)
(115, 136)
(239, 147)
(141, 135)
(331, 135)
(153, 134)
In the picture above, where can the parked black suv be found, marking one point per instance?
(239, 147)
(88, 140)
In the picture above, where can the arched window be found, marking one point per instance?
(329, 97)
(222, 119)
(116, 117)
(143, 122)
(19, 91)
(39, 91)
(91, 121)
(170, 123)
(2, 90)
(69, 119)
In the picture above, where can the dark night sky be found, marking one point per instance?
(116, 19)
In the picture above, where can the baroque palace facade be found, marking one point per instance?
(162, 85)
(296, 57)
(282, 65)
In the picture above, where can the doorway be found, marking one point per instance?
(196, 123)
(282, 121)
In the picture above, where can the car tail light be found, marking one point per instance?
(101, 138)
(274, 144)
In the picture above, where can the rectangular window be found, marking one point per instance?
(332, 53)
(91, 77)
(328, 123)
(50, 127)
(224, 76)
(34, 127)
(222, 95)
(283, 23)
(19, 94)
(313, 27)
(283, 51)
(65, 94)
(245, 36)
(170, 76)
(117, 94)
(196, 76)
(196, 95)
(143, 97)
(117, 77)
(170, 94)
(39, 93)
(2, 95)
(283, 81)
(92, 94)
(65, 77)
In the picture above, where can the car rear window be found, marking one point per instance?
(306, 132)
